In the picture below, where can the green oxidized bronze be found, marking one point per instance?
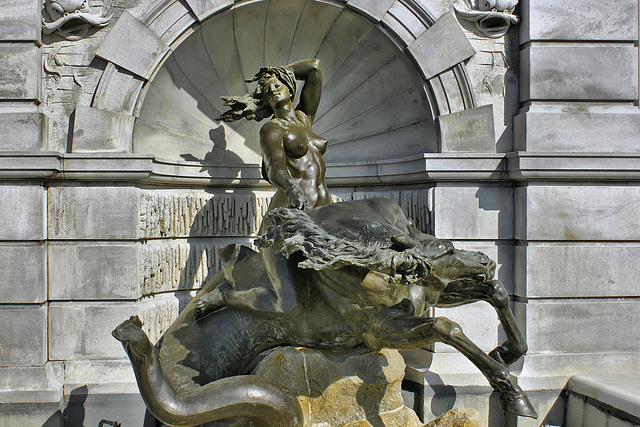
(333, 277)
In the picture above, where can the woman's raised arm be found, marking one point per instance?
(309, 70)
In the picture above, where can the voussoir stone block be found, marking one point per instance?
(203, 8)
(100, 131)
(23, 335)
(468, 131)
(576, 270)
(21, 20)
(473, 212)
(93, 212)
(23, 273)
(375, 8)
(22, 212)
(572, 128)
(89, 271)
(579, 72)
(20, 68)
(441, 47)
(22, 131)
(578, 213)
(132, 46)
(583, 20)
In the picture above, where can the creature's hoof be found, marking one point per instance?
(517, 404)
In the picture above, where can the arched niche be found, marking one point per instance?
(390, 71)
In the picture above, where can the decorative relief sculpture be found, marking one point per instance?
(329, 276)
(492, 18)
(72, 18)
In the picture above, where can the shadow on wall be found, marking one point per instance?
(74, 413)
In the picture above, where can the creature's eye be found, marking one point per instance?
(441, 246)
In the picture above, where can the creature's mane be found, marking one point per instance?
(293, 230)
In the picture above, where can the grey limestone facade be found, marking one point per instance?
(117, 184)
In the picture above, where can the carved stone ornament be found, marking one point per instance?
(492, 18)
(73, 18)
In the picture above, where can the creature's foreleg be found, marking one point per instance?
(493, 292)
(400, 330)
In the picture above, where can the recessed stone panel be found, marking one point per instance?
(473, 212)
(23, 273)
(374, 8)
(468, 130)
(23, 335)
(574, 128)
(579, 20)
(20, 68)
(577, 270)
(22, 212)
(21, 20)
(597, 72)
(86, 271)
(101, 131)
(93, 212)
(202, 8)
(588, 212)
(22, 131)
(441, 47)
(582, 325)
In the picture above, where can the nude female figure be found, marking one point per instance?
(292, 162)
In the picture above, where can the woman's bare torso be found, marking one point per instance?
(304, 150)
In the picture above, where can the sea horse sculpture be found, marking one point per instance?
(349, 274)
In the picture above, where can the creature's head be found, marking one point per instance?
(72, 18)
(445, 263)
(506, 6)
(133, 339)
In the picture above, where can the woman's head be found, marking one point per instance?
(275, 85)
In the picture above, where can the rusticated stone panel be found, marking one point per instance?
(166, 215)
(173, 266)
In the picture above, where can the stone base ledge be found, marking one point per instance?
(422, 168)
(618, 391)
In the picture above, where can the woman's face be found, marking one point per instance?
(274, 92)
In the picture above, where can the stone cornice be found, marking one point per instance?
(419, 169)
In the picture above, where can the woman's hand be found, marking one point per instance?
(296, 198)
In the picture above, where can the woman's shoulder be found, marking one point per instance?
(303, 117)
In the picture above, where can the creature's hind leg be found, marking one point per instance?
(398, 330)
(493, 292)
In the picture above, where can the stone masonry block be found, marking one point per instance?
(82, 330)
(203, 8)
(22, 213)
(100, 131)
(93, 212)
(132, 46)
(20, 71)
(375, 8)
(578, 128)
(603, 72)
(468, 131)
(21, 20)
(577, 270)
(23, 272)
(473, 212)
(22, 131)
(583, 20)
(582, 325)
(479, 322)
(578, 213)
(87, 271)
(23, 335)
(441, 47)
(29, 384)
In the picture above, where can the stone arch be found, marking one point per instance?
(142, 44)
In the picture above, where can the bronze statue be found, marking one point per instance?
(333, 277)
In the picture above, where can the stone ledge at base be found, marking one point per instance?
(599, 400)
